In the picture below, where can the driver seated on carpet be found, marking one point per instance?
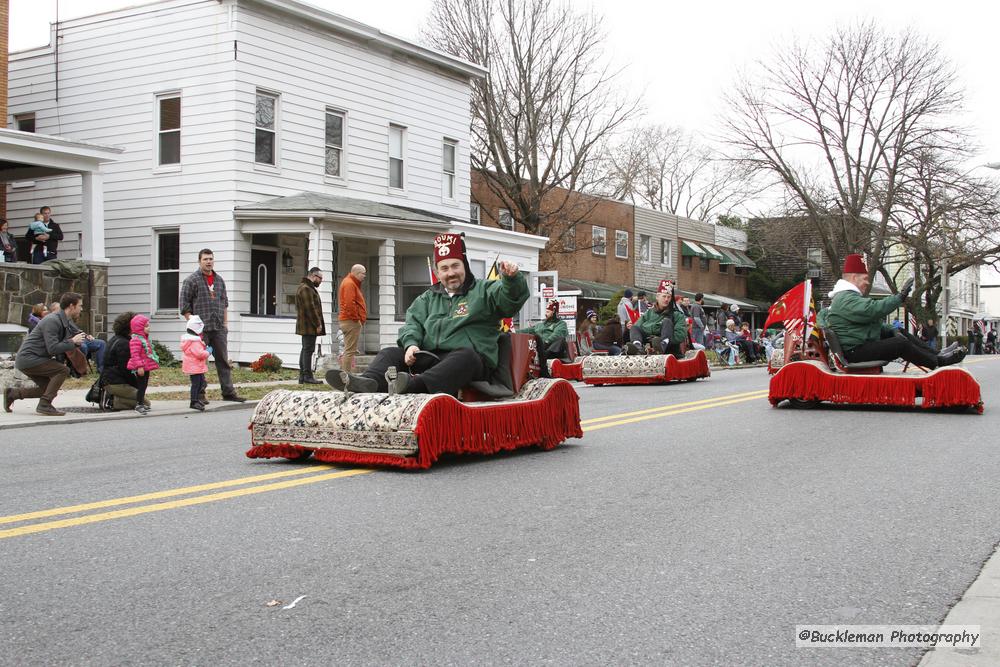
(451, 333)
(550, 337)
(859, 323)
(663, 328)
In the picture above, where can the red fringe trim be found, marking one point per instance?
(808, 381)
(566, 371)
(446, 426)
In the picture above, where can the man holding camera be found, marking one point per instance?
(41, 356)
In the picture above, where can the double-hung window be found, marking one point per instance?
(505, 220)
(644, 250)
(397, 167)
(168, 129)
(666, 252)
(168, 263)
(599, 240)
(621, 244)
(450, 154)
(474, 213)
(266, 128)
(335, 143)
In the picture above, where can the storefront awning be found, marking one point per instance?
(728, 257)
(692, 249)
(595, 291)
(744, 260)
(713, 253)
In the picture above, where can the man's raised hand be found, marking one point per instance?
(508, 268)
(904, 291)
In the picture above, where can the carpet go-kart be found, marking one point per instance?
(818, 372)
(634, 369)
(511, 411)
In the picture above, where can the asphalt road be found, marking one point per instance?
(700, 531)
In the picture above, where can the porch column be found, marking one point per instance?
(386, 292)
(92, 216)
(321, 255)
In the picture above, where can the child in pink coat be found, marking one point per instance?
(195, 359)
(143, 359)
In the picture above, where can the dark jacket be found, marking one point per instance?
(197, 299)
(115, 363)
(48, 340)
(55, 236)
(610, 334)
(469, 318)
(308, 310)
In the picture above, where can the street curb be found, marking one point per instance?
(124, 414)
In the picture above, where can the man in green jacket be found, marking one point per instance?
(664, 326)
(859, 323)
(451, 331)
(550, 337)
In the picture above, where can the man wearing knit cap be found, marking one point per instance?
(450, 337)
(859, 323)
(550, 337)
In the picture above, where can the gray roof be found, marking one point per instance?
(317, 201)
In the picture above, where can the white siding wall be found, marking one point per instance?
(110, 69)
(312, 71)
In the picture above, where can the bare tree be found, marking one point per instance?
(834, 126)
(944, 216)
(668, 169)
(547, 106)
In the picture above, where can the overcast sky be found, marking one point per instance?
(684, 55)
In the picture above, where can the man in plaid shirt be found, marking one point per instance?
(204, 294)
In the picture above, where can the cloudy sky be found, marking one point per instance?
(682, 56)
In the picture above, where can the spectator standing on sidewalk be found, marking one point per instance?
(353, 314)
(309, 322)
(699, 321)
(204, 294)
(42, 356)
(8, 244)
(195, 355)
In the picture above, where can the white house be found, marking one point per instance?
(277, 134)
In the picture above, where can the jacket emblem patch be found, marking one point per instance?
(462, 310)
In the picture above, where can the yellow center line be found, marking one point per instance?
(157, 495)
(671, 412)
(715, 399)
(174, 504)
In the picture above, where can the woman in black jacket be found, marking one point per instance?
(119, 382)
(609, 337)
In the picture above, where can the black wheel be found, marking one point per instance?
(301, 457)
(803, 405)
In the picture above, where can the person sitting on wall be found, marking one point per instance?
(662, 329)
(450, 337)
(550, 337)
(859, 323)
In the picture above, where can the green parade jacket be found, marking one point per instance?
(470, 318)
(651, 322)
(858, 319)
(548, 330)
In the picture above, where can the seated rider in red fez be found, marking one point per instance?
(664, 326)
(455, 321)
(859, 323)
(550, 337)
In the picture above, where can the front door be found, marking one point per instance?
(263, 281)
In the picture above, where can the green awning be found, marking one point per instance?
(692, 249)
(595, 291)
(744, 260)
(713, 253)
(728, 257)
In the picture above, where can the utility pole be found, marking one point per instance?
(945, 298)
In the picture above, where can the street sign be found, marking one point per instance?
(548, 293)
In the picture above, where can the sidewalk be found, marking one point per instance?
(78, 410)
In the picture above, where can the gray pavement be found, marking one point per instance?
(699, 537)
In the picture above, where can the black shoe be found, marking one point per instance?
(398, 382)
(195, 405)
(234, 398)
(309, 379)
(349, 382)
(951, 348)
(8, 400)
(953, 357)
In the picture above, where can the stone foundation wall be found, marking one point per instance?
(23, 285)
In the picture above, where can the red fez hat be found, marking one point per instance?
(664, 284)
(553, 305)
(855, 264)
(448, 246)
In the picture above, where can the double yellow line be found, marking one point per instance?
(286, 479)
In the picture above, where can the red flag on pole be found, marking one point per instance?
(790, 305)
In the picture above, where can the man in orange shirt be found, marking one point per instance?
(353, 313)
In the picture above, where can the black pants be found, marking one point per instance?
(198, 385)
(638, 336)
(141, 382)
(899, 345)
(306, 354)
(455, 370)
(217, 340)
(557, 349)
